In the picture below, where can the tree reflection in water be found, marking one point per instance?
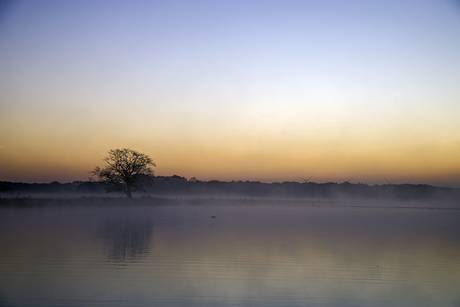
(126, 235)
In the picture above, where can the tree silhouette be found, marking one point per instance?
(126, 171)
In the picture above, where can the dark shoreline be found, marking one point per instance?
(179, 187)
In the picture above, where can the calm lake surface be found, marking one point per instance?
(274, 255)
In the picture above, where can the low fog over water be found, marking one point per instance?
(176, 187)
(226, 253)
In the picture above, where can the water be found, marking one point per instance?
(245, 256)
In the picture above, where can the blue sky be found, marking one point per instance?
(258, 90)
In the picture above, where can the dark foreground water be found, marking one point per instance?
(245, 256)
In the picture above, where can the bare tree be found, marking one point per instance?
(126, 171)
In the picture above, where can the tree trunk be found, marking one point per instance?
(128, 192)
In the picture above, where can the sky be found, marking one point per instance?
(267, 90)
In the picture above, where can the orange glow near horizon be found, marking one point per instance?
(258, 157)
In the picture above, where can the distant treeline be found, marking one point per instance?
(176, 185)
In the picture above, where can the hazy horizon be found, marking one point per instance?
(266, 91)
(338, 181)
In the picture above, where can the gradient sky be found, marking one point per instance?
(233, 90)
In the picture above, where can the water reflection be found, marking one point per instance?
(264, 256)
(126, 235)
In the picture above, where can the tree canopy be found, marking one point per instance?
(127, 171)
